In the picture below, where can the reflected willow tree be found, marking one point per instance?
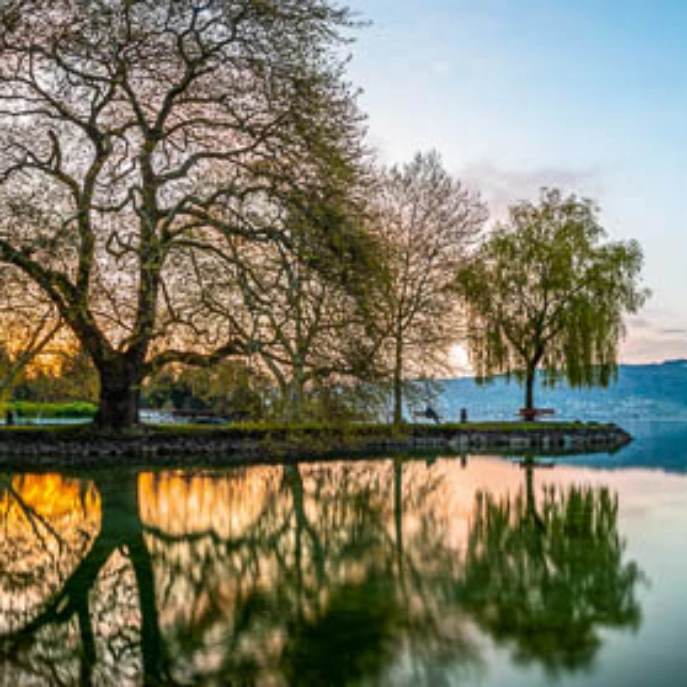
(545, 578)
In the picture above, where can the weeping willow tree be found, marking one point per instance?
(547, 292)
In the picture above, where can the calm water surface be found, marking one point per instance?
(384, 572)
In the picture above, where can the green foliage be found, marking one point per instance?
(73, 380)
(261, 430)
(330, 403)
(546, 291)
(236, 390)
(230, 388)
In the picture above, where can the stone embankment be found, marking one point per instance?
(236, 446)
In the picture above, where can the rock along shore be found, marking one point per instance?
(22, 448)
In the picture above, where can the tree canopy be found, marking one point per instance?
(428, 222)
(139, 137)
(547, 291)
(186, 181)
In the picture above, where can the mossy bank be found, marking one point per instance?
(189, 445)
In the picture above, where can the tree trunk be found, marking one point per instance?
(295, 412)
(529, 390)
(398, 511)
(120, 391)
(397, 389)
(398, 400)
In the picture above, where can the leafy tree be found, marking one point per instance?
(60, 373)
(307, 306)
(137, 138)
(428, 222)
(231, 388)
(547, 292)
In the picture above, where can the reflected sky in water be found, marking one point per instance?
(384, 572)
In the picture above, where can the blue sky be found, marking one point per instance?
(516, 94)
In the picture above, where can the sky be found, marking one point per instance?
(587, 95)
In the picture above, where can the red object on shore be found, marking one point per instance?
(531, 414)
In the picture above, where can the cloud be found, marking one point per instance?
(658, 323)
(653, 350)
(655, 336)
(501, 187)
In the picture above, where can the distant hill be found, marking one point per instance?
(642, 392)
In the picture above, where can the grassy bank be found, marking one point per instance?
(257, 430)
(261, 430)
(31, 410)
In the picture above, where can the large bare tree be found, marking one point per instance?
(429, 222)
(137, 138)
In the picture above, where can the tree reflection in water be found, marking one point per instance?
(546, 578)
(120, 531)
(314, 589)
(331, 574)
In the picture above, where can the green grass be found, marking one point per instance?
(518, 426)
(268, 431)
(52, 411)
(276, 430)
(39, 429)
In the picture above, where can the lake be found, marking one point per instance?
(442, 571)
